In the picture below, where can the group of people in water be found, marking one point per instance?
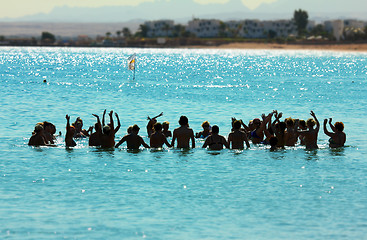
(268, 130)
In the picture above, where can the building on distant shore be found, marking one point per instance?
(336, 27)
(204, 28)
(160, 28)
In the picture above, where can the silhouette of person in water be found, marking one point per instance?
(337, 137)
(70, 131)
(166, 132)
(206, 130)
(183, 134)
(95, 139)
(151, 122)
(310, 135)
(109, 131)
(38, 138)
(133, 140)
(237, 137)
(157, 139)
(215, 141)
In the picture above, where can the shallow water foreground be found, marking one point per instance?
(89, 193)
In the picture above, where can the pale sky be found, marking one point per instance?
(20, 8)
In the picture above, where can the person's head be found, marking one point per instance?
(158, 127)
(215, 129)
(289, 122)
(47, 126)
(129, 129)
(78, 124)
(280, 126)
(184, 121)
(106, 130)
(38, 128)
(256, 122)
(236, 124)
(205, 125)
(310, 123)
(135, 129)
(302, 124)
(165, 125)
(339, 126)
(273, 141)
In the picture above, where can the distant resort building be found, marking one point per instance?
(160, 28)
(250, 28)
(244, 28)
(204, 28)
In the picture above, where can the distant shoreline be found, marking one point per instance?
(355, 47)
(351, 47)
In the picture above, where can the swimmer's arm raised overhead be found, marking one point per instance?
(317, 121)
(331, 125)
(326, 131)
(118, 123)
(111, 120)
(159, 115)
(104, 113)
(67, 122)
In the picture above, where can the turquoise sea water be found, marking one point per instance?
(90, 193)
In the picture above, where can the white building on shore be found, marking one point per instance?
(204, 28)
(261, 29)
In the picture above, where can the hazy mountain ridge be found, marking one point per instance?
(182, 11)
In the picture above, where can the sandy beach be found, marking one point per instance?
(358, 47)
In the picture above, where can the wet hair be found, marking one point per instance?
(215, 129)
(273, 141)
(183, 121)
(136, 128)
(289, 121)
(256, 121)
(129, 129)
(165, 123)
(38, 128)
(205, 123)
(302, 123)
(106, 130)
(236, 124)
(310, 122)
(97, 126)
(281, 126)
(46, 124)
(158, 127)
(339, 126)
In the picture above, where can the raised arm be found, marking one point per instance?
(111, 121)
(331, 125)
(104, 113)
(67, 122)
(317, 121)
(325, 129)
(118, 123)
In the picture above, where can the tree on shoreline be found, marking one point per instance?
(300, 17)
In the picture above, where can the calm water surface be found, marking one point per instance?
(89, 193)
